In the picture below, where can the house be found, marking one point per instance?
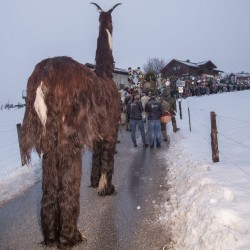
(120, 76)
(186, 70)
(240, 78)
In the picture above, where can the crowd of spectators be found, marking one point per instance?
(199, 90)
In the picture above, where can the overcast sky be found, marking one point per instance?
(197, 30)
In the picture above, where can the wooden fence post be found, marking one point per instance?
(189, 119)
(180, 109)
(214, 139)
(18, 126)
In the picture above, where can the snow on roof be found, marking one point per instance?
(188, 63)
(116, 70)
(191, 64)
(242, 74)
(121, 71)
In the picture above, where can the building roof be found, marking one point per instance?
(188, 63)
(196, 65)
(242, 74)
(116, 70)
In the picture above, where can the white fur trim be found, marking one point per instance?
(40, 106)
(109, 39)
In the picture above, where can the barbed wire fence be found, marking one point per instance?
(222, 134)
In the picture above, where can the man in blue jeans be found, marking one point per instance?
(154, 110)
(136, 110)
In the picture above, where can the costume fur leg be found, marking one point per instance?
(49, 202)
(105, 186)
(96, 163)
(70, 171)
(103, 167)
(60, 201)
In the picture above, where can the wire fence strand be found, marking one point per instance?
(233, 140)
(204, 111)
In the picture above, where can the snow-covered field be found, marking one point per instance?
(209, 205)
(14, 179)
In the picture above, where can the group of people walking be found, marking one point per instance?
(148, 109)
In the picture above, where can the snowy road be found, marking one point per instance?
(128, 220)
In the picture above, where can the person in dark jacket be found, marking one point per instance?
(171, 100)
(166, 110)
(154, 110)
(127, 104)
(136, 110)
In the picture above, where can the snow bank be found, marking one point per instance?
(209, 205)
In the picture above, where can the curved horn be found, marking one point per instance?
(98, 7)
(114, 7)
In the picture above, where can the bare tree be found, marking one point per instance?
(154, 65)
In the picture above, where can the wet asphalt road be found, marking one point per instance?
(125, 221)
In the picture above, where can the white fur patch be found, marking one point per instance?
(103, 182)
(40, 106)
(109, 39)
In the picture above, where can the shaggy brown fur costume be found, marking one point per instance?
(70, 108)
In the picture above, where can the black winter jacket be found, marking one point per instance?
(154, 109)
(135, 110)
